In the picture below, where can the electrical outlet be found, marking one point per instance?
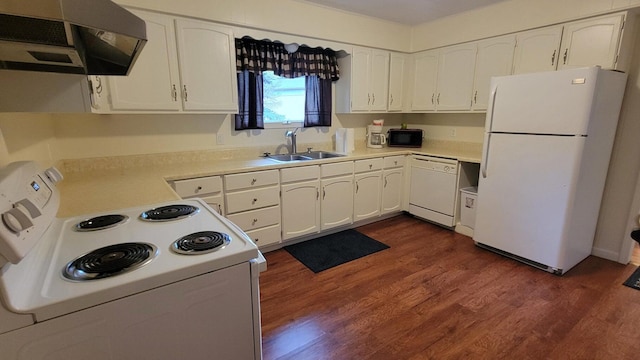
(452, 132)
(220, 139)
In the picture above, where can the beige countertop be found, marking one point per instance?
(105, 184)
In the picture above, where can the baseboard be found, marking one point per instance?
(605, 254)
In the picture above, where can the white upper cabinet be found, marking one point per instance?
(494, 58)
(443, 79)
(591, 42)
(455, 77)
(396, 81)
(153, 81)
(425, 77)
(537, 50)
(364, 81)
(206, 54)
(186, 66)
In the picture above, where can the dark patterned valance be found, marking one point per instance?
(257, 56)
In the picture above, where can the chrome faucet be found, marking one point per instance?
(292, 135)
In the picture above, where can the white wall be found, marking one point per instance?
(27, 136)
(508, 17)
(297, 18)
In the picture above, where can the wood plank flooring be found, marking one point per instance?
(434, 295)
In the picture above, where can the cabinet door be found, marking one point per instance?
(207, 66)
(494, 58)
(425, 76)
(537, 50)
(300, 209)
(591, 42)
(216, 202)
(153, 82)
(360, 69)
(366, 199)
(392, 181)
(379, 83)
(455, 77)
(336, 202)
(396, 81)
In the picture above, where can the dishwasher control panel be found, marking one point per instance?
(436, 164)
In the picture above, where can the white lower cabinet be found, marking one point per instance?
(208, 188)
(336, 202)
(392, 184)
(300, 201)
(367, 185)
(252, 202)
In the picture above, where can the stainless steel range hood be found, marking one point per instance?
(92, 37)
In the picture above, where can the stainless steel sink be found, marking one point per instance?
(321, 154)
(311, 155)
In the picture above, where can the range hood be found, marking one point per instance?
(91, 37)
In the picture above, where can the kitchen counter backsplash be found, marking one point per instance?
(112, 163)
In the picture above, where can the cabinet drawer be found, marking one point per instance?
(300, 173)
(394, 161)
(336, 169)
(198, 186)
(265, 236)
(368, 165)
(254, 219)
(252, 199)
(251, 180)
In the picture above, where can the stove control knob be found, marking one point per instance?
(53, 174)
(16, 220)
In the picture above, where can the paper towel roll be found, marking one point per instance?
(345, 140)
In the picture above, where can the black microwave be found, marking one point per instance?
(404, 137)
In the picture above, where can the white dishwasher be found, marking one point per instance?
(433, 189)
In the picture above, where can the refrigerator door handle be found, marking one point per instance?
(492, 103)
(487, 134)
(485, 154)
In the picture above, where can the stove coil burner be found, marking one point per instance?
(100, 222)
(200, 243)
(168, 213)
(109, 261)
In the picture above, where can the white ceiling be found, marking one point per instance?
(409, 12)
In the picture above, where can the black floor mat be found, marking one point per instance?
(634, 280)
(331, 250)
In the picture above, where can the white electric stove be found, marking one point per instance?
(164, 281)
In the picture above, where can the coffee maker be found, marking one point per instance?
(375, 137)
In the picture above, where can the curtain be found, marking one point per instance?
(250, 105)
(318, 66)
(317, 107)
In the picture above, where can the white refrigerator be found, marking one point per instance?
(547, 144)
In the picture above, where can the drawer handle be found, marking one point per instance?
(370, 166)
(253, 181)
(254, 221)
(255, 200)
(256, 239)
(395, 162)
(198, 188)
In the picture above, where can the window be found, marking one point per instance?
(284, 100)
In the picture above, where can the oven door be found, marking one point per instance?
(195, 318)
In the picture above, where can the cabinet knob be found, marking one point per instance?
(475, 97)
(438, 99)
(256, 239)
(553, 58)
(374, 99)
(253, 181)
(198, 188)
(395, 162)
(174, 93)
(564, 58)
(370, 166)
(432, 97)
(186, 95)
(254, 221)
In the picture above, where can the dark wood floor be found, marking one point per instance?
(434, 295)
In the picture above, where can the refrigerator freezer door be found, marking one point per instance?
(526, 196)
(556, 102)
